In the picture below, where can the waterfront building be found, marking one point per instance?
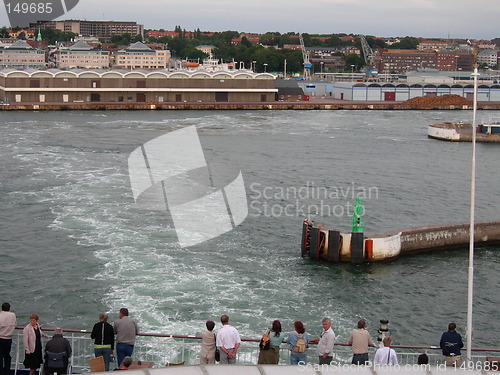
(433, 45)
(398, 88)
(140, 56)
(99, 29)
(399, 92)
(329, 63)
(20, 54)
(405, 60)
(130, 87)
(490, 58)
(81, 55)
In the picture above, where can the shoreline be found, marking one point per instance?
(317, 104)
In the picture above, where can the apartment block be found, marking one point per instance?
(405, 60)
(140, 56)
(98, 29)
(489, 57)
(82, 55)
(21, 54)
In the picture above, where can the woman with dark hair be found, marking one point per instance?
(104, 339)
(297, 350)
(32, 340)
(271, 356)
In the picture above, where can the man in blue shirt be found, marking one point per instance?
(450, 344)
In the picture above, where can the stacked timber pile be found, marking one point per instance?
(442, 100)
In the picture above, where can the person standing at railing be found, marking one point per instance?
(207, 356)
(32, 340)
(385, 355)
(104, 339)
(125, 329)
(450, 344)
(326, 343)
(8, 324)
(228, 341)
(299, 341)
(271, 356)
(360, 340)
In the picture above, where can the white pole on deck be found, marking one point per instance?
(471, 243)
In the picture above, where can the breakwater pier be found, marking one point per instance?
(319, 242)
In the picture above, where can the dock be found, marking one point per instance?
(314, 104)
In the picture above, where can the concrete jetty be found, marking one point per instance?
(335, 246)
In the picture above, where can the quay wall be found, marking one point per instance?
(305, 105)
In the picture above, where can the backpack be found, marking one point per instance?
(300, 346)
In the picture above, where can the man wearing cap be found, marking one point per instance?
(8, 324)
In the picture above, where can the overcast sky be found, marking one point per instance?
(478, 19)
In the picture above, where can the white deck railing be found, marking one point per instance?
(161, 349)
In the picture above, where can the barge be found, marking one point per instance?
(462, 132)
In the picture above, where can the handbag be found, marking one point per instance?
(265, 341)
(217, 352)
(54, 360)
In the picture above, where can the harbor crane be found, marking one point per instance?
(307, 64)
(369, 56)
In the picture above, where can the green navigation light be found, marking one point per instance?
(357, 220)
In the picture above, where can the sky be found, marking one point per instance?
(462, 19)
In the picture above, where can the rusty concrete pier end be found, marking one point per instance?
(335, 246)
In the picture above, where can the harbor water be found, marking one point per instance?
(74, 243)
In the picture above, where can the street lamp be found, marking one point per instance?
(352, 72)
(456, 66)
(265, 67)
(253, 66)
(322, 62)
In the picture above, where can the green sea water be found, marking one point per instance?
(74, 243)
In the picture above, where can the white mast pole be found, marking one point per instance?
(471, 243)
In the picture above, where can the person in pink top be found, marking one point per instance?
(32, 340)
